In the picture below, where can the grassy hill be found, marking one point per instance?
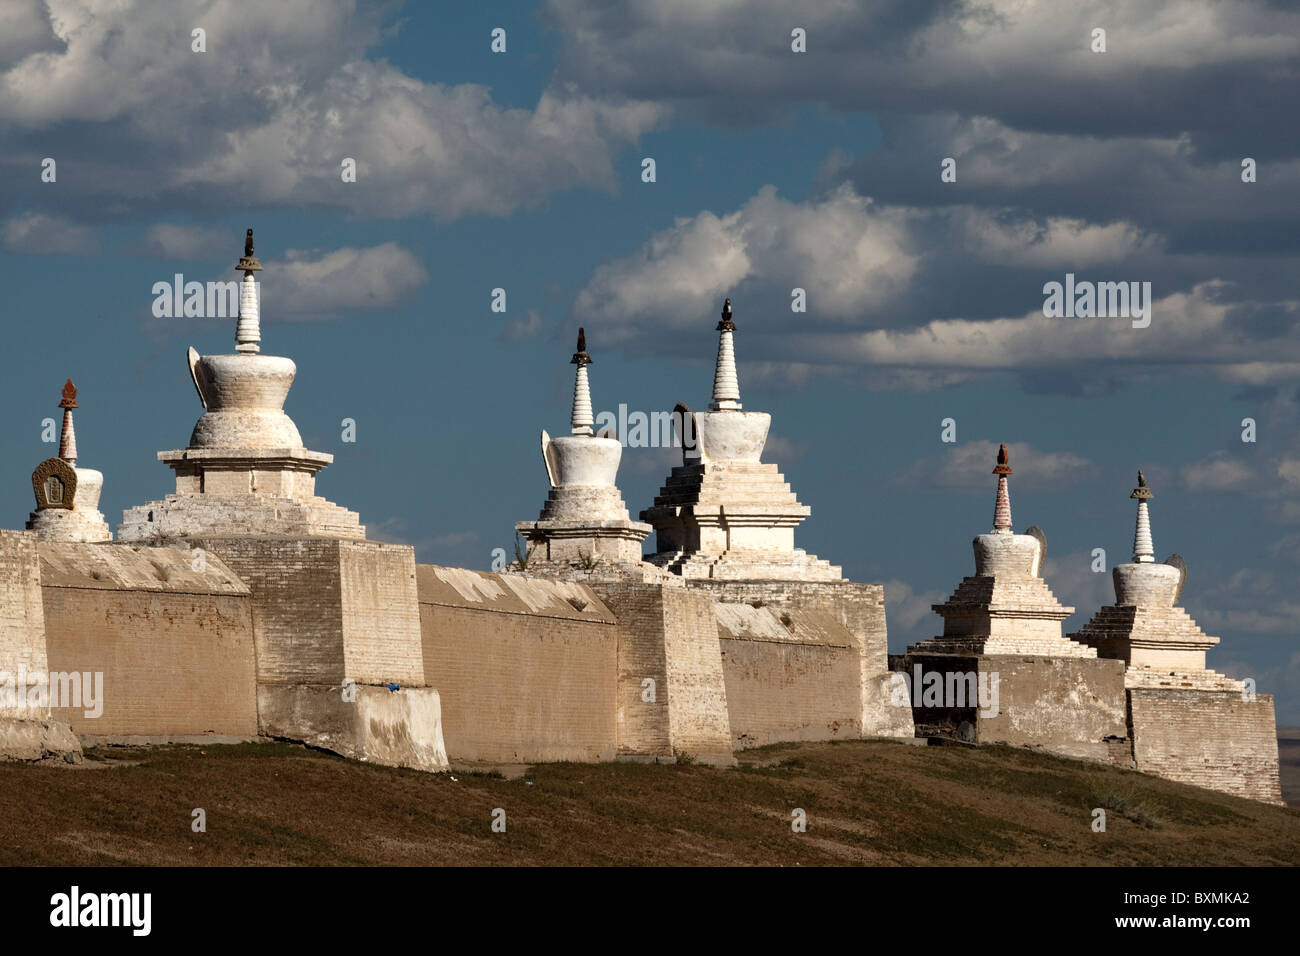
(867, 802)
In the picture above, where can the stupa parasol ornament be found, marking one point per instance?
(248, 332)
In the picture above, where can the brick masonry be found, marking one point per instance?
(1211, 739)
(174, 645)
(523, 673)
(668, 635)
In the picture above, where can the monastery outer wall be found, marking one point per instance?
(795, 676)
(1073, 706)
(1211, 739)
(526, 667)
(174, 645)
(326, 609)
(669, 635)
(860, 610)
(22, 616)
(339, 659)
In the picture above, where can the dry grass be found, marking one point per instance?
(867, 802)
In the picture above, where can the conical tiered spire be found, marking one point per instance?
(1144, 551)
(1002, 506)
(581, 419)
(726, 386)
(68, 437)
(248, 332)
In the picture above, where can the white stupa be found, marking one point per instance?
(1159, 642)
(584, 521)
(245, 472)
(1006, 607)
(67, 497)
(725, 514)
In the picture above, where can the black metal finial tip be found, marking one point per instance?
(581, 357)
(1142, 481)
(248, 243)
(726, 325)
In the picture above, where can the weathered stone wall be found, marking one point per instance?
(325, 609)
(788, 681)
(174, 644)
(22, 616)
(1212, 739)
(860, 609)
(668, 635)
(525, 668)
(381, 619)
(1066, 705)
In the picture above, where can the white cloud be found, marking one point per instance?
(174, 241)
(969, 464)
(845, 252)
(282, 96)
(37, 234)
(319, 283)
(1217, 473)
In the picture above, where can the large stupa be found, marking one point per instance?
(245, 472)
(726, 514)
(584, 522)
(1159, 642)
(1006, 607)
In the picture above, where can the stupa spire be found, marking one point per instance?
(581, 419)
(248, 331)
(1144, 551)
(726, 386)
(1002, 504)
(68, 436)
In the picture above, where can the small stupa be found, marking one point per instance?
(723, 513)
(1006, 607)
(1159, 642)
(67, 497)
(245, 472)
(584, 521)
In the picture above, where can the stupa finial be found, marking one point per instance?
(248, 331)
(1144, 551)
(581, 419)
(68, 436)
(726, 386)
(1002, 504)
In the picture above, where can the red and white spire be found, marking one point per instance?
(1002, 505)
(68, 436)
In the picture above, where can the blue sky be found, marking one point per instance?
(774, 170)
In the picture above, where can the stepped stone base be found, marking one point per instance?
(400, 728)
(793, 565)
(1162, 638)
(237, 516)
(731, 520)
